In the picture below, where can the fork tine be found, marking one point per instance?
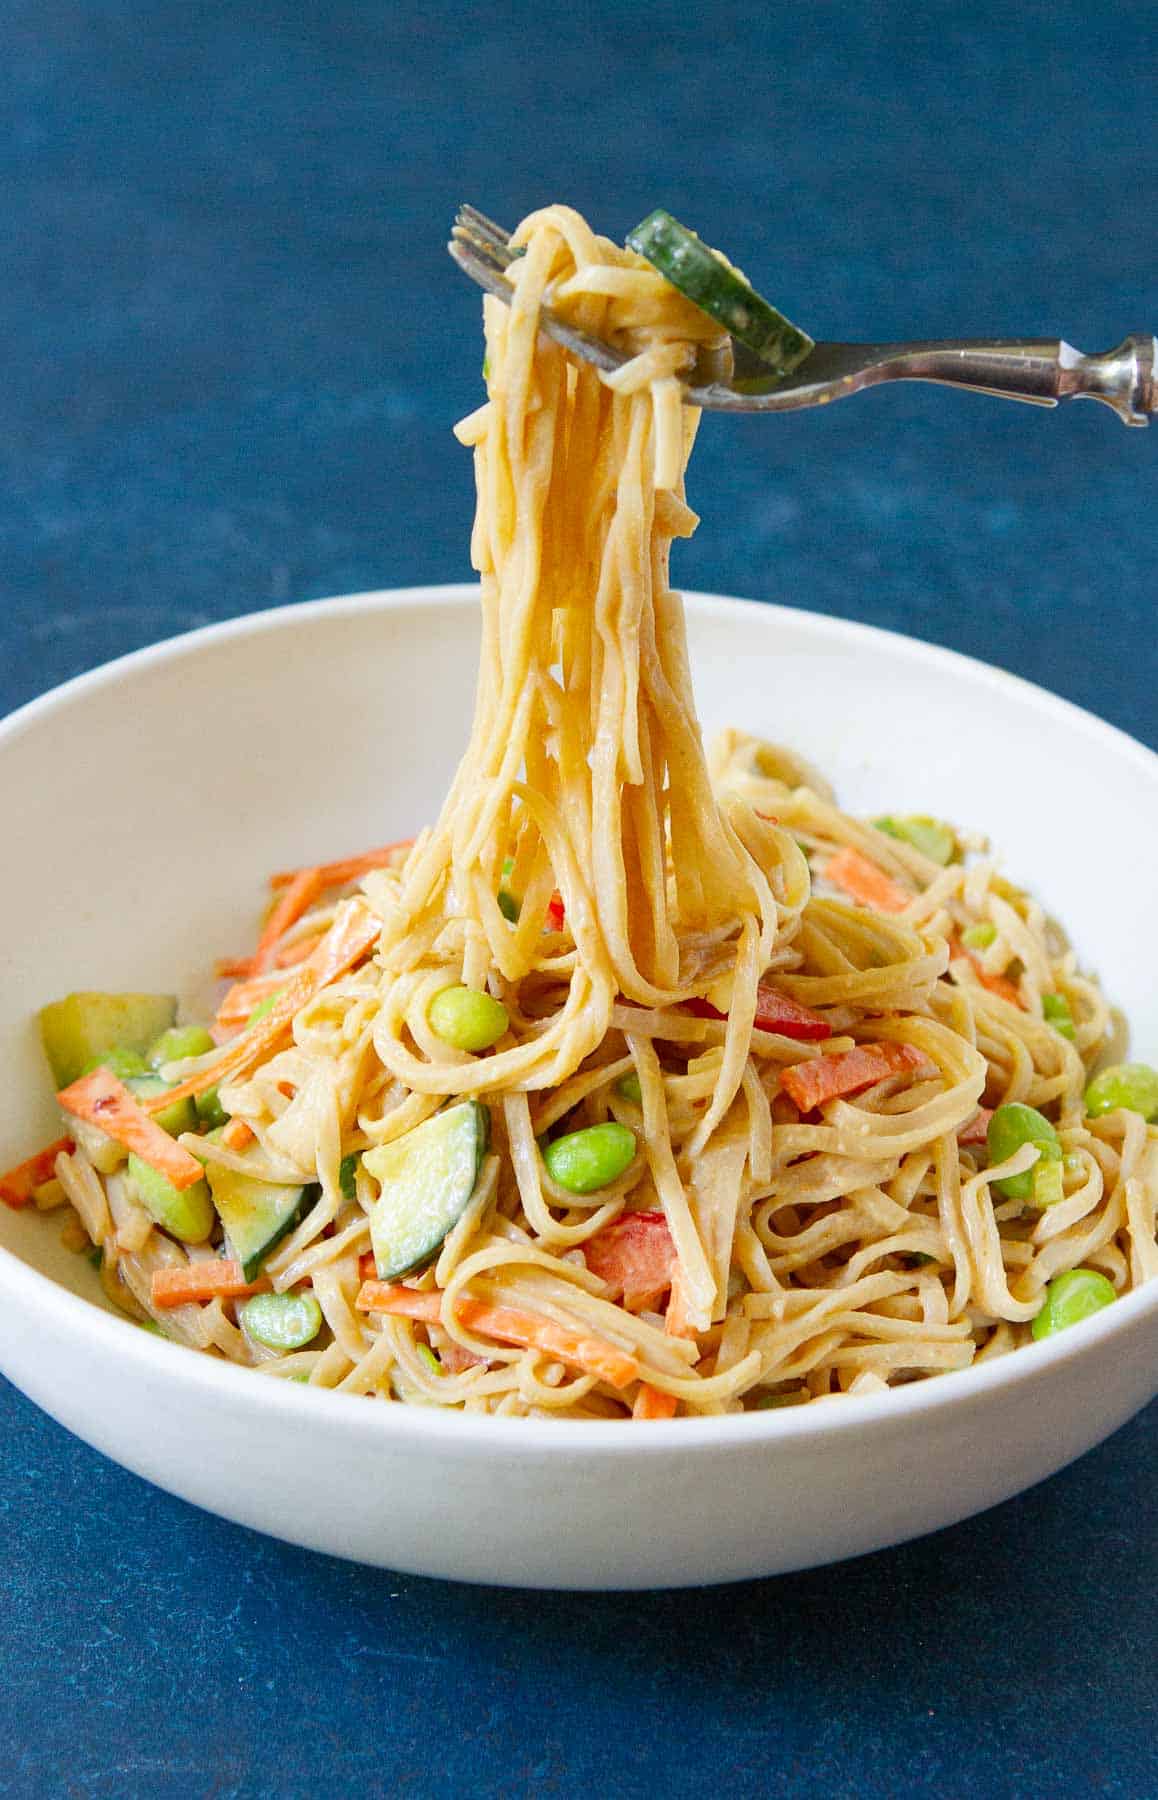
(483, 266)
(471, 217)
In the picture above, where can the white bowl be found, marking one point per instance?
(147, 802)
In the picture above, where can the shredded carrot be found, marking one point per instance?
(811, 1084)
(348, 868)
(239, 1001)
(297, 897)
(105, 1102)
(555, 912)
(863, 882)
(653, 1403)
(299, 951)
(635, 1256)
(994, 984)
(20, 1183)
(237, 1135)
(676, 1320)
(221, 1280)
(511, 1325)
(355, 931)
(976, 1129)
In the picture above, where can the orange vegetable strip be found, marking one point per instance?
(297, 897)
(348, 868)
(863, 882)
(221, 1280)
(18, 1186)
(511, 1325)
(635, 1256)
(292, 954)
(239, 968)
(239, 1001)
(355, 931)
(652, 1403)
(237, 1135)
(995, 984)
(556, 914)
(825, 1078)
(676, 1322)
(105, 1102)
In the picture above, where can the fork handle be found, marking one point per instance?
(1041, 371)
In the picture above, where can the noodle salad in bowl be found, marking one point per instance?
(645, 1082)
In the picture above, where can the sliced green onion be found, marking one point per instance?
(931, 837)
(347, 1177)
(508, 906)
(979, 936)
(281, 1321)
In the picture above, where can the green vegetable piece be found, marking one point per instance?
(263, 1008)
(210, 1112)
(429, 1358)
(712, 284)
(979, 936)
(931, 837)
(256, 1214)
(1012, 1126)
(179, 1042)
(467, 1019)
(181, 1116)
(1070, 1298)
(83, 1028)
(185, 1213)
(508, 906)
(1130, 1085)
(347, 1177)
(126, 1065)
(281, 1321)
(585, 1161)
(1055, 1010)
(426, 1179)
(628, 1086)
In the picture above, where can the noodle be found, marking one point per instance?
(812, 1252)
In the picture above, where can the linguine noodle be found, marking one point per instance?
(805, 1251)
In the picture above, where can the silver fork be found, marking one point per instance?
(1041, 371)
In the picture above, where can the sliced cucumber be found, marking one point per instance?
(210, 1112)
(255, 1214)
(186, 1213)
(83, 1028)
(427, 1179)
(710, 282)
(181, 1116)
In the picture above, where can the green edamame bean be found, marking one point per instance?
(467, 1019)
(979, 936)
(585, 1161)
(1012, 1126)
(281, 1321)
(177, 1043)
(1071, 1297)
(1130, 1085)
(1055, 1010)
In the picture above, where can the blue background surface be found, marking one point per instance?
(233, 350)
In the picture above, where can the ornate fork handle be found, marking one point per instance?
(1041, 371)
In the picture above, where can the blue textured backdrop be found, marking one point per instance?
(233, 351)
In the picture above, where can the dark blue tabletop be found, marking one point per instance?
(233, 350)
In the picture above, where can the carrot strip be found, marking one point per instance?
(239, 1001)
(676, 1322)
(355, 931)
(18, 1186)
(863, 882)
(511, 1325)
(105, 1102)
(299, 952)
(976, 1129)
(994, 984)
(348, 868)
(555, 912)
(297, 897)
(825, 1078)
(237, 1135)
(653, 1403)
(221, 1280)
